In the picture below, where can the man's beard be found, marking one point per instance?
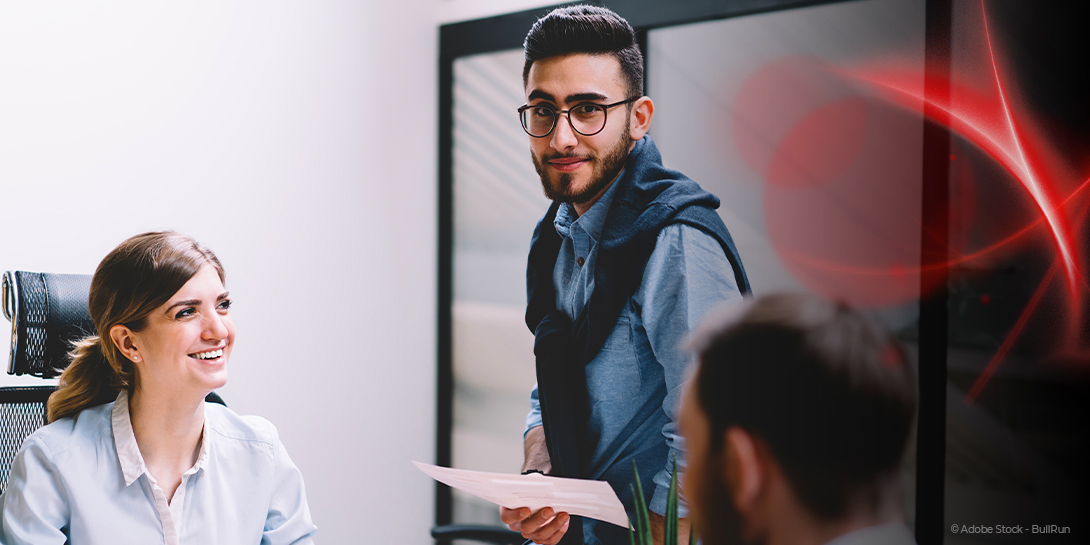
(605, 170)
(718, 519)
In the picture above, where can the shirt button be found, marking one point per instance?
(580, 261)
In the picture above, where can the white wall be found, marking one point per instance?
(297, 140)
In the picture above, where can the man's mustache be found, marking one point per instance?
(555, 156)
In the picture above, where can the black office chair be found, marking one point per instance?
(22, 410)
(48, 312)
(446, 534)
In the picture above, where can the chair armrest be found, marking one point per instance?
(489, 534)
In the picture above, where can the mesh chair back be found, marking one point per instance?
(48, 313)
(22, 411)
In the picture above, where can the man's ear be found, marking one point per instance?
(122, 338)
(744, 468)
(640, 122)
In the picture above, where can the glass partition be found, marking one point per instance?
(820, 179)
(497, 203)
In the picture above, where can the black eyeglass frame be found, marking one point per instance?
(556, 116)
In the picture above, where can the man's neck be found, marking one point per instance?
(582, 207)
(794, 524)
(820, 532)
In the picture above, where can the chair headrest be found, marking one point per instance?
(48, 313)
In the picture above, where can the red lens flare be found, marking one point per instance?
(839, 155)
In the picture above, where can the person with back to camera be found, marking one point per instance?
(132, 453)
(797, 421)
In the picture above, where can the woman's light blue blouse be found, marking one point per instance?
(69, 484)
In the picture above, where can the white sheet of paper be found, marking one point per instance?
(594, 499)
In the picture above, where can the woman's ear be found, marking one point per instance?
(744, 469)
(123, 338)
(640, 122)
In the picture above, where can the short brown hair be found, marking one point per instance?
(826, 388)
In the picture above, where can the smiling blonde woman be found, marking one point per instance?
(133, 454)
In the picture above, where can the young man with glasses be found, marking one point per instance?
(627, 260)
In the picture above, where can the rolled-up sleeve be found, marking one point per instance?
(687, 275)
(533, 418)
(34, 508)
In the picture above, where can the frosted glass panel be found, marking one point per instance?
(497, 203)
(820, 179)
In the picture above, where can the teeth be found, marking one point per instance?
(209, 355)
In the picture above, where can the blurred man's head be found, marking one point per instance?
(799, 408)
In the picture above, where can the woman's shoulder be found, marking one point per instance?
(90, 425)
(230, 425)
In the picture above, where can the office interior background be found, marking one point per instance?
(301, 142)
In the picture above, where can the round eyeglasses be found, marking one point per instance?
(585, 118)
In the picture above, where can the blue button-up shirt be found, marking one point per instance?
(82, 480)
(642, 360)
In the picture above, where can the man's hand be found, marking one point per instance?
(658, 528)
(545, 527)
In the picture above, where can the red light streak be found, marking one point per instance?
(967, 258)
(976, 132)
(1012, 336)
(1016, 331)
(1002, 138)
(994, 123)
(1029, 177)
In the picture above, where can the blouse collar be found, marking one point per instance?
(128, 452)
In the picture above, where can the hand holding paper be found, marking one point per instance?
(546, 526)
(594, 499)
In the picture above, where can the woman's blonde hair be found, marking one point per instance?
(133, 280)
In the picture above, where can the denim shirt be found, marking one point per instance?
(642, 361)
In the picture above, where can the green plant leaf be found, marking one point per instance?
(640, 532)
(643, 521)
(670, 535)
(635, 532)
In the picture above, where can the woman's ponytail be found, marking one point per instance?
(88, 381)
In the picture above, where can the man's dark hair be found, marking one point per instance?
(825, 388)
(586, 29)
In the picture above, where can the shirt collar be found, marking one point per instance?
(128, 452)
(592, 221)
